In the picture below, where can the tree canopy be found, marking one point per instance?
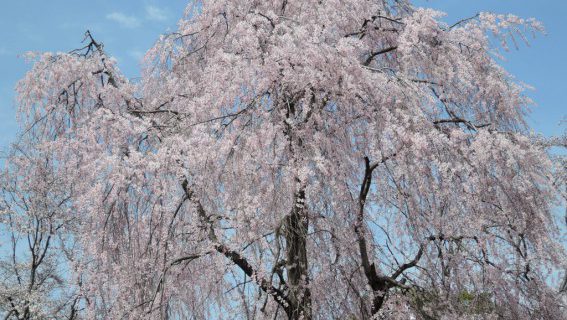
(286, 160)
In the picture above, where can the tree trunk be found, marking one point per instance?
(297, 224)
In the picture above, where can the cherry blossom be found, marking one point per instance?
(303, 160)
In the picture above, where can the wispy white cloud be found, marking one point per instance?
(124, 20)
(156, 14)
(136, 54)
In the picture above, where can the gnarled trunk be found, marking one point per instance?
(296, 226)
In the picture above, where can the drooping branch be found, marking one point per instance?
(410, 264)
(233, 255)
(380, 284)
(377, 53)
(364, 28)
(457, 120)
(458, 23)
(364, 188)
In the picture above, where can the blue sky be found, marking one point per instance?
(128, 28)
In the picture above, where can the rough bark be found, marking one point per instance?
(297, 224)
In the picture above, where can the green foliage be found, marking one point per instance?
(430, 305)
